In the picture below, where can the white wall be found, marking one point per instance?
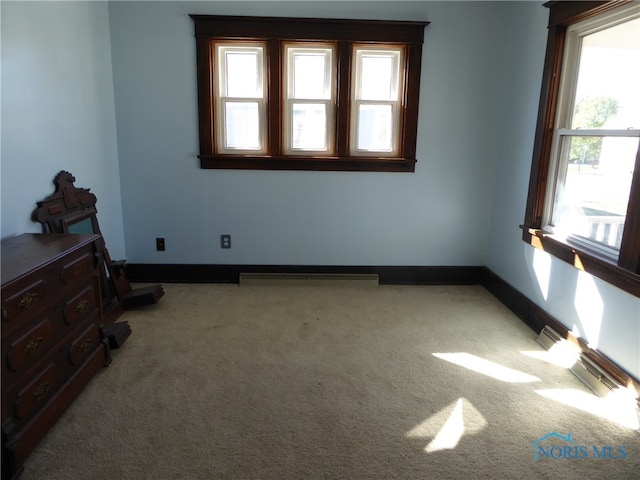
(58, 111)
(608, 318)
(436, 216)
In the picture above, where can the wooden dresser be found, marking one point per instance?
(52, 341)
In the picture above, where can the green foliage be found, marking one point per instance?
(591, 113)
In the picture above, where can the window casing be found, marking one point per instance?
(584, 193)
(307, 99)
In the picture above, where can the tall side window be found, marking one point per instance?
(584, 198)
(308, 94)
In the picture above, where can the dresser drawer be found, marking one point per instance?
(30, 346)
(83, 345)
(22, 299)
(78, 269)
(34, 396)
(80, 306)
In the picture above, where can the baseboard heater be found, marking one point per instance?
(356, 279)
(591, 374)
(548, 337)
(594, 377)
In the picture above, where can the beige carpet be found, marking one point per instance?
(389, 382)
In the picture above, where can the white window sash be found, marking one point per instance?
(328, 98)
(356, 101)
(222, 100)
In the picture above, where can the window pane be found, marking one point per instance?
(375, 128)
(592, 201)
(607, 94)
(243, 74)
(379, 77)
(309, 126)
(242, 125)
(310, 75)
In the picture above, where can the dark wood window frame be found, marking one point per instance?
(625, 273)
(344, 33)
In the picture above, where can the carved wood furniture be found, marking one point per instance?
(52, 340)
(73, 210)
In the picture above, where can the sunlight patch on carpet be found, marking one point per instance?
(619, 406)
(449, 425)
(487, 367)
(562, 354)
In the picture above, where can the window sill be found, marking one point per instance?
(588, 261)
(349, 164)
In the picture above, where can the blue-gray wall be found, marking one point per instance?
(58, 111)
(608, 318)
(305, 217)
(437, 216)
(482, 67)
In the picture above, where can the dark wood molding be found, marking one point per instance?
(630, 247)
(348, 164)
(385, 31)
(585, 260)
(274, 32)
(393, 275)
(544, 128)
(569, 13)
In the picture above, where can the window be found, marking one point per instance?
(584, 195)
(309, 120)
(308, 94)
(240, 98)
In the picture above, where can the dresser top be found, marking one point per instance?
(27, 252)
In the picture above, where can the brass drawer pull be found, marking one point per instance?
(40, 392)
(86, 344)
(82, 306)
(29, 300)
(34, 344)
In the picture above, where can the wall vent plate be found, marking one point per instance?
(364, 280)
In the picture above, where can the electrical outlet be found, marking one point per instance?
(160, 244)
(225, 241)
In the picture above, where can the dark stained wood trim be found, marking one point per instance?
(277, 30)
(349, 164)
(569, 13)
(544, 129)
(394, 275)
(411, 101)
(205, 95)
(275, 117)
(583, 259)
(343, 96)
(385, 31)
(630, 248)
